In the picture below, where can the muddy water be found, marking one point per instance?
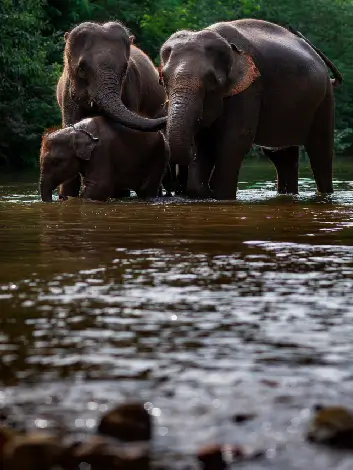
(201, 309)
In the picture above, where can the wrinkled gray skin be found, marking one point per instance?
(110, 159)
(104, 74)
(241, 83)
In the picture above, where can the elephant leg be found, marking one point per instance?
(169, 180)
(319, 145)
(157, 166)
(70, 188)
(182, 180)
(235, 135)
(150, 187)
(96, 192)
(201, 167)
(228, 163)
(118, 193)
(286, 162)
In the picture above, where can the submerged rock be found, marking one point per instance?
(6, 435)
(10, 417)
(40, 451)
(35, 451)
(211, 457)
(241, 418)
(127, 422)
(332, 425)
(101, 454)
(217, 457)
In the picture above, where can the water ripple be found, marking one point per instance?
(201, 308)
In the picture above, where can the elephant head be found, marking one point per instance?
(199, 70)
(63, 152)
(96, 60)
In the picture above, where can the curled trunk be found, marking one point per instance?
(114, 108)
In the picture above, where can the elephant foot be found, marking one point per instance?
(180, 189)
(62, 197)
(200, 193)
(180, 192)
(121, 193)
(181, 180)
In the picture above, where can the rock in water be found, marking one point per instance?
(332, 425)
(34, 451)
(127, 422)
(101, 454)
(218, 457)
(211, 457)
(241, 418)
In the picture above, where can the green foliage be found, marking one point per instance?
(32, 50)
(343, 140)
(168, 16)
(27, 81)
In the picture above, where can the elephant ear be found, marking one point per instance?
(83, 143)
(243, 71)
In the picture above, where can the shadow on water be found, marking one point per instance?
(204, 309)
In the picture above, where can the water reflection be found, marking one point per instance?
(202, 309)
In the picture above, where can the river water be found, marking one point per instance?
(202, 309)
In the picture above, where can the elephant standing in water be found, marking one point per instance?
(245, 82)
(104, 74)
(110, 159)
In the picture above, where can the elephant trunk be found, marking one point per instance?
(46, 191)
(108, 99)
(185, 110)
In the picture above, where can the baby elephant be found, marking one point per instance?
(110, 157)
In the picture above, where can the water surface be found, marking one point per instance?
(201, 309)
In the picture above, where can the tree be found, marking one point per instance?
(31, 53)
(27, 81)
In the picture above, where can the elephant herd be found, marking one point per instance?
(187, 126)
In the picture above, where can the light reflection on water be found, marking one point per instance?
(203, 309)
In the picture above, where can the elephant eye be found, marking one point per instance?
(212, 80)
(166, 53)
(81, 72)
(82, 69)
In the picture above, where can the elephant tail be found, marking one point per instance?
(337, 81)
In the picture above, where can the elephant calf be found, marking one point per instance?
(109, 159)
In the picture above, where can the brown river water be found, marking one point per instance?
(201, 310)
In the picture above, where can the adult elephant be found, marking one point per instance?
(245, 82)
(105, 74)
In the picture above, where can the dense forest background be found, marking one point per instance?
(31, 52)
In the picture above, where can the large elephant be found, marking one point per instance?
(105, 74)
(110, 159)
(245, 82)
